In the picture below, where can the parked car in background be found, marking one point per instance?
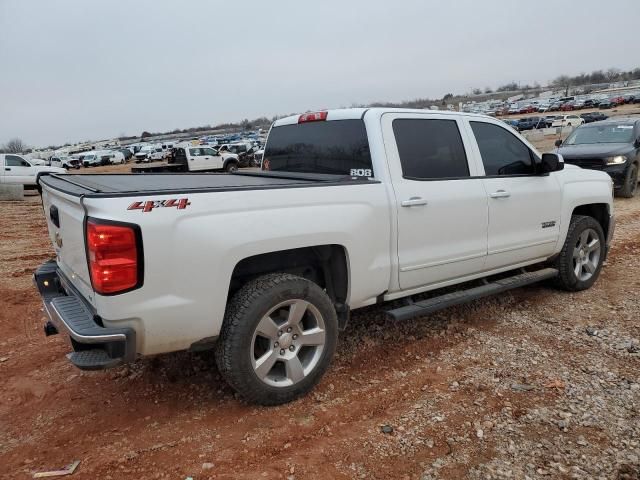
(16, 170)
(64, 161)
(90, 159)
(194, 158)
(568, 106)
(567, 121)
(242, 150)
(617, 101)
(593, 117)
(144, 153)
(578, 104)
(530, 123)
(128, 154)
(612, 146)
(549, 119)
(605, 104)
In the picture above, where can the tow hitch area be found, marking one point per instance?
(95, 347)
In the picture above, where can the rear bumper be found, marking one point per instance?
(95, 347)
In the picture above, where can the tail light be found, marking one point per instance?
(114, 256)
(312, 117)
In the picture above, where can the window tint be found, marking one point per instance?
(330, 147)
(430, 148)
(208, 151)
(195, 152)
(502, 153)
(15, 161)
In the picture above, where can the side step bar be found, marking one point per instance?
(434, 304)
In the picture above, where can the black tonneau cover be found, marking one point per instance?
(122, 185)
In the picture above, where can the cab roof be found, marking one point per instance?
(358, 113)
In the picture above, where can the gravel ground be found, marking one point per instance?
(536, 383)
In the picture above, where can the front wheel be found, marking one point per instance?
(277, 340)
(580, 260)
(231, 167)
(630, 186)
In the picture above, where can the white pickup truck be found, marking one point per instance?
(352, 208)
(186, 157)
(16, 170)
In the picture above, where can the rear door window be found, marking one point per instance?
(430, 149)
(339, 147)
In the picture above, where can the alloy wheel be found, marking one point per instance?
(586, 254)
(288, 343)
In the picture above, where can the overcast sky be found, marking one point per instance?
(74, 70)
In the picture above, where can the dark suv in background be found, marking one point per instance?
(612, 146)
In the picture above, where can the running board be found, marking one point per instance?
(434, 304)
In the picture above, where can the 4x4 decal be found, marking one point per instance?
(147, 206)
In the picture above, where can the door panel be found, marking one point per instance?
(524, 225)
(524, 207)
(447, 237)
(441, 210)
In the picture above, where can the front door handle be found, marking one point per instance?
(500, 194)
(414, 202)
(7, 169)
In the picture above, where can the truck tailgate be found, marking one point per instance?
(65, 221)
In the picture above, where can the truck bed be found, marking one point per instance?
(122, 185)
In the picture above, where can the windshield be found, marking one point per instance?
(338, 147)
(601, 134)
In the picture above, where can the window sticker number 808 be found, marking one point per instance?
(361, 172)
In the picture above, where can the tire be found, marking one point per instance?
(231, 167)
(580, 260)
(290, 367)
(630, 186)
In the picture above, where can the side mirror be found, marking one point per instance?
(637, 142)
(558, 142)
(551, 162)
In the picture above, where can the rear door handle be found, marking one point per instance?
(414, 202)
(500, 194)
(7, 169)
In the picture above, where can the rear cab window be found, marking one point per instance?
(333, 147)
(430, 149)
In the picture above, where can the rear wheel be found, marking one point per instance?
(630, 186)
(277, 340)
(580, 260)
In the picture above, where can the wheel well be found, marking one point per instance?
(599, 211)
(325, 265)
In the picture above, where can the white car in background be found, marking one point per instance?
(16, 170)
(144, 154)
(567, 121)
(63, 161)
(116, 158)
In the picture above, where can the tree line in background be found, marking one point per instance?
(596, 77)
(15, 145)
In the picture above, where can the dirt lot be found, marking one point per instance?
(534, 384)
